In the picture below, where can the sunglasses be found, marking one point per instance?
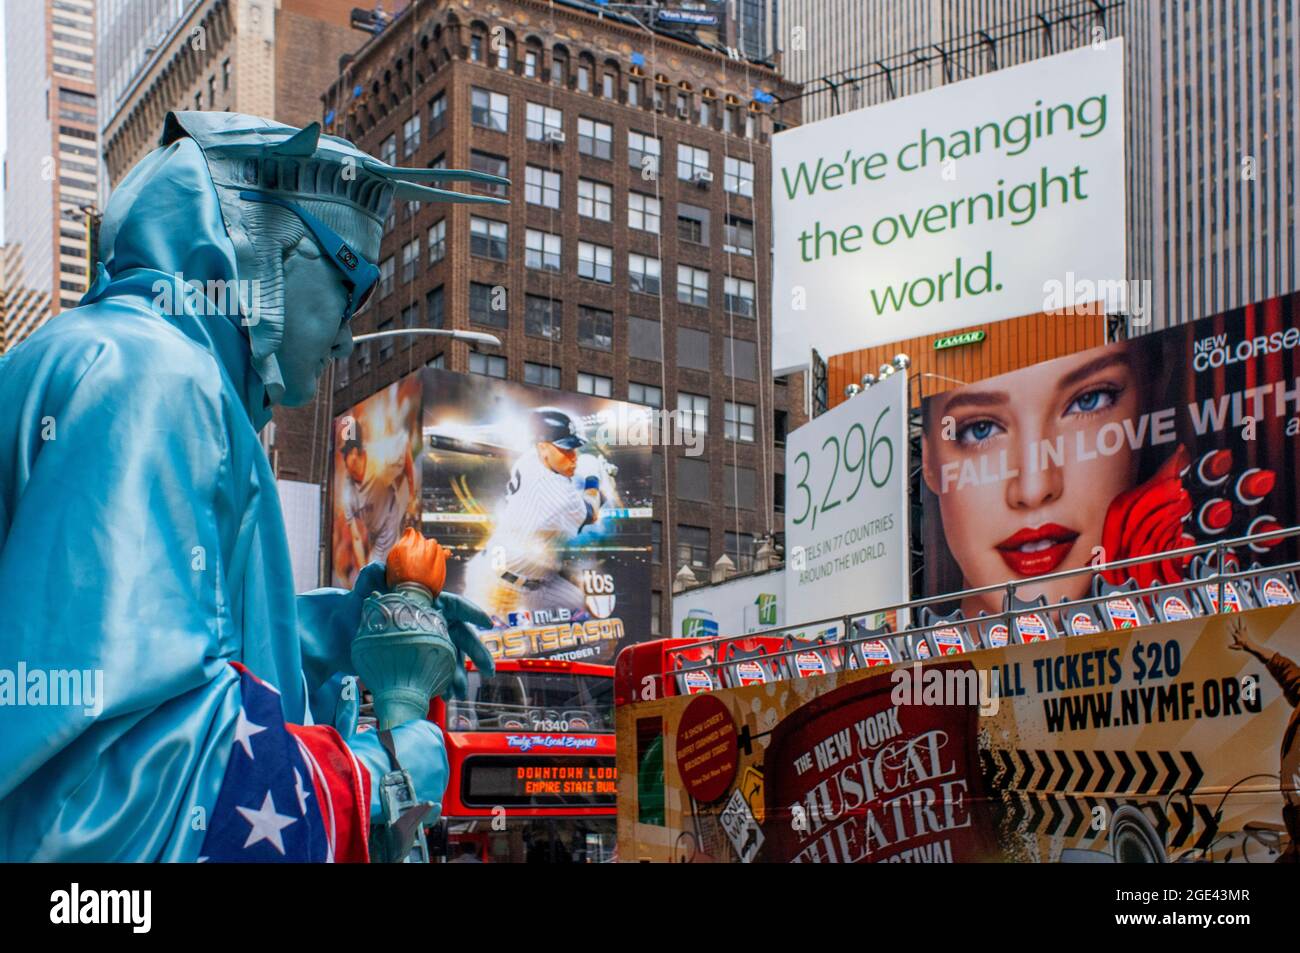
(359, 276)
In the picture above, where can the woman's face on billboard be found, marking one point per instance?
(1022, 487)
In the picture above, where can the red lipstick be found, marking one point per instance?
(1038, 550)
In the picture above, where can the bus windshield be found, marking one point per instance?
(534, 701)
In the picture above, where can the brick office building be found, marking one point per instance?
(632, 261)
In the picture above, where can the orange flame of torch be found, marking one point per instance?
(416, 559)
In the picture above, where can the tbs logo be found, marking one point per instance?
(599, 588)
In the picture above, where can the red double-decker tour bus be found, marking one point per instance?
(533, 776)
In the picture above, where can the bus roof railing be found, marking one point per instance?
(1219, 579)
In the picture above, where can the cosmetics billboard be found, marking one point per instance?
(1174, 438)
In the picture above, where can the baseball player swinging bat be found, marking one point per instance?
(545, 506)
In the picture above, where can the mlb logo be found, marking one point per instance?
(518, 619)
(600, 606)
(1031, 627)
(1276, 594)
(1123, 614)
(1082, 624)
(949, 642)
(809, 663)
(877, 653)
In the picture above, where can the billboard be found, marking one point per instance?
(1169, 742)
(846, 506)
(376, 484)
(544, 499)
(738, 606)
(1178, 437)
(995, 196)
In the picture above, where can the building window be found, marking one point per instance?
(595, 385)
(212, 91)
(643, 274)
(738, 422)
(437, 241)
(225, 75)
(646, 394)
(740, 359)
(198, 101)
(503, 54)
(437, 114)
(643, 153)
(541, 187)
(488, 304)
(544, 375)
(595, 262)
(487, 239)
(693, 480)
(489, 110)
(386, 276)
(738, 296)
(656, 542)
(595, 138)
(493, 165)
(596, 328)
(644, 339)
(643, 212)
(386, 345)
(476, 48)
(489, 365)
(634, 92)
(388, 150)
(727, 121)
(434, 313)
(739, 178)
(691, 162)
(693, 286)
(692, 224)
(693, 412)
(438, 361)
(608, 88)
(584, 79)
(542, 317)
(683, 106)
(410, 319)
(693, 547)
(693, 349)
(411, 135)
(595, 200)
(739, 236)
(706, 113)
(410, 258)
(559, 68)
(740, 546)
(541, 120)
(542, 250)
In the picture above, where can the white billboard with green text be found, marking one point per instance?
(989, 198)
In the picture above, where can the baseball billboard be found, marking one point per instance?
(1174, 438)
(376, 484)
(846, 507)
(544, 499)
(996, 196)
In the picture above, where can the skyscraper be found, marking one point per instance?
(1211, 113)
(51, 167)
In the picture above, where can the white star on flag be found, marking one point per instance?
(302, 792)
(244, 731)
(266, 824)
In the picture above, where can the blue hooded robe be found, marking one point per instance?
(141, 536)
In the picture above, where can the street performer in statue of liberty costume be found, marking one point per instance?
(142, 548)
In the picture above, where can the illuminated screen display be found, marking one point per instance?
(487, 781)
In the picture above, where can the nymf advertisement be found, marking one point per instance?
(1170, 439)
(1172, 742)
(542, 497)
